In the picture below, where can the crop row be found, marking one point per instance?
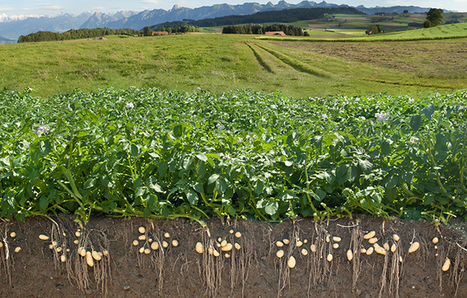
(167, 154)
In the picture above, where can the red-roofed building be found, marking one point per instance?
(160, 33)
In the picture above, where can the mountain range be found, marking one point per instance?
(5, 40)
(63, 22)
(11, 30)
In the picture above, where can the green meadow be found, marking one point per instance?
(449, 31)
(341, 23)
(220, 63)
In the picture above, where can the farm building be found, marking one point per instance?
(160, 33)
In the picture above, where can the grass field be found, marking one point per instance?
(219, 63)
(439, 32)
(350, 23)
(450, 31)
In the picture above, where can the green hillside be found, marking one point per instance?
(224, 62)
(450, 31)
(343, 23)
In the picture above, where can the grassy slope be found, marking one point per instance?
(210, 61)
(350, 24)
(344, 25)
(440, 32)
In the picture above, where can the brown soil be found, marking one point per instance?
(252, 271)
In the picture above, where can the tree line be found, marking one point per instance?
(280, 16)
(172, 27)
(261, 29)
(75, 34)
(374, 30)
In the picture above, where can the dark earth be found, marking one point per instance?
(253, 270)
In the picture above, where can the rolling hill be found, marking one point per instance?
(12, 29)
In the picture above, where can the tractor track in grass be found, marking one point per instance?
(294, 63)
(334, 51)
(260, 59)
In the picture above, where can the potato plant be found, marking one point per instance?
(239, 154)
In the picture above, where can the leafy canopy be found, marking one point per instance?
(434, 17)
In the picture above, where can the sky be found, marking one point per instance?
(55, 7)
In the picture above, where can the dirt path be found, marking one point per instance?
(252, 270)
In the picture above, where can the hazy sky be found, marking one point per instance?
(54, 7)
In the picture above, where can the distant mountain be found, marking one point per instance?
(8, 18)
(6, 40)
(177, 13)
(60, 23)
(14, 26)
(262, 17)
(99, 19)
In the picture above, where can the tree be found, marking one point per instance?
(147, 31)
(434, 17)
(405, 11)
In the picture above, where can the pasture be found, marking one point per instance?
(388, 23)
(219, 63)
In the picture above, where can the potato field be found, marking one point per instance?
(144, 192)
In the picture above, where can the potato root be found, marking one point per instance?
(280, 253)
(413, 247)
(291, 262)
(369, 235)
(44, 237)
(446, 265)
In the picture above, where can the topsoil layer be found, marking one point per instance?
(31, 267)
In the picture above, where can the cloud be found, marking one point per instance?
(149, 1)
(50, 7)
(5, 8)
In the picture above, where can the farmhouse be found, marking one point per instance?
(279, 33)
(160, 33)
